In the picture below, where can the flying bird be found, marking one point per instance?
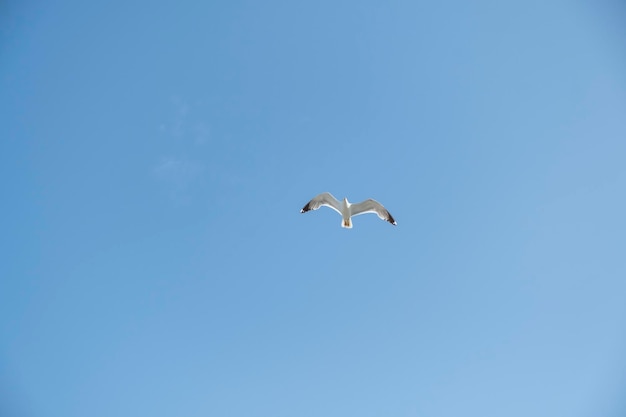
(348, 210)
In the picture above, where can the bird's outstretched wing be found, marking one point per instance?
(372, 206)
(324, 199)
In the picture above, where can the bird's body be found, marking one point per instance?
(347, 210)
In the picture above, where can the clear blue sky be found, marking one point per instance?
(154, 157)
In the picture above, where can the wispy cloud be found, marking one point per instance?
(179, 172)
(178, 175)
(175, 172)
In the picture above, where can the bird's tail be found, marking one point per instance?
(347, 223)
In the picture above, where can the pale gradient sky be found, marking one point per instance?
(154, 157)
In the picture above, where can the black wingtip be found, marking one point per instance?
(305, 208)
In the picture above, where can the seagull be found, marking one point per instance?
(348, 210)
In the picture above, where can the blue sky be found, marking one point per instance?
(155, 156)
